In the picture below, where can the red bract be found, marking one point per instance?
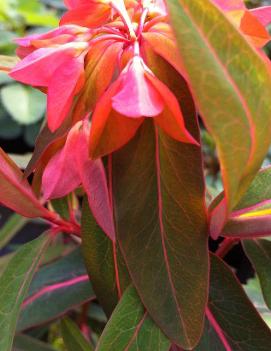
(251, 23)
(56, 61)
(70, 167)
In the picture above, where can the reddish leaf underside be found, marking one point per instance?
(16, 192)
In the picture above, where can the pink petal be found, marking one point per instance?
(230, 5)
(61, 175)
(95, 184)
(109, 129)
(37, 68)
(61, 90)
(59, 35)
(137, 97)
(75, 3)
(263, 14)
(171, 119)
(89, 15)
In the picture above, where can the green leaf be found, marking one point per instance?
(254, 292)
(11, 227)
(130, 328)
(258, 192)
(27, 343)
(57, 288)
(14, 283)
(231, 84)
(231, 315)
(259, 253)
(103, 262)
(73, 338)
(26, 105)
(160, 217)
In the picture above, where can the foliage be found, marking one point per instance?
(157, 126)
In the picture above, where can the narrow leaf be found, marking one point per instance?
(73, 338)
(57, 288)
(130, 328)
(259, 253)
(156, 198)
(14, 282)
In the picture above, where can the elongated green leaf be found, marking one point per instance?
(56, 288)
(27, 343)
(130, 328)
(259, 253)
(223, 70)
(156, 190)
(10, 228)
(73, 338)
(104, 264)
(160, 220)
(14, 283)
(231, 315)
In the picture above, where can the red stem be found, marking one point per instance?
(226, 246)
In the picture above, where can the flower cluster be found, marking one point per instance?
(95, 68)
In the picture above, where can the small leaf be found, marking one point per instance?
(259, 253)
(25, 104)
(73, 338)
(14, 282)
(130, 328)
(57, 288)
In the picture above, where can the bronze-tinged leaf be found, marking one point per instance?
(231, 84)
